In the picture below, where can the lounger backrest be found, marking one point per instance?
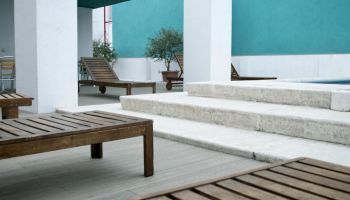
(234, 73)
(180, 60)
(99, 69)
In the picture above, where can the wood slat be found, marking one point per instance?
(7, 96)
(13, 130)
(303, 185)
(188, 195)
(113, 117)
(331, 183)
(37, 125)
(62, 122)
(23, 127)
(216, 192)
(248, 190)
(85, 119)
(98, 119)
(161, 198)
(277, 187)
(51, 124)
(326, 165)
(320, 171)
(6, 135)
(84, 123)
(121, 117)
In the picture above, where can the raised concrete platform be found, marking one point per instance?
(305, 94)
(296, 121)
(245, 143)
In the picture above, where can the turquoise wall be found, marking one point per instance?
(137, 20)
(268, 27)
(260, 27)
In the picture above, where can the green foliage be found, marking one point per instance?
(104, 49)
(164, 45)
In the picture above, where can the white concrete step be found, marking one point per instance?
(246, 143)
(330, 96)
(296, 121)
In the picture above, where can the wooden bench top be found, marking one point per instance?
(14, 99)
(302, 178)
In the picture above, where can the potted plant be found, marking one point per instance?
(104, 49)
(163, 47)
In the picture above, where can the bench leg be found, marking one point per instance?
(9, 112)
(128, 90)
(148, 151)
(96, 150)
(154, 88)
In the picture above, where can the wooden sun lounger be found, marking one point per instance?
(9, 103)
(301, 178)
(25, 136)
(178, 80)
(103, 75)
(236, 77)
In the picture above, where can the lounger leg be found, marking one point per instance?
(154, 88)
(148, 151)
(10, 112)
(96, 150)
(128, 90)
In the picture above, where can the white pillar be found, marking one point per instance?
(84, 32)
(207, 40)
(46, 53)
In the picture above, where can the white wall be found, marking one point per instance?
(294, 66)
(46, 52)
(7, 28)
(141, 69)
(84, 32)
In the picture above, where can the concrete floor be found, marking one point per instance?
(91, 96)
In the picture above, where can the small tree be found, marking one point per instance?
(104, 49)
(164, 45)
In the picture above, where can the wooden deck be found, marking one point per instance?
(71, 174)
(301, 178)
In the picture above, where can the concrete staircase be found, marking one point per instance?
(261, 122)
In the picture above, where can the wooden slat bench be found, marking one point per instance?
(19, 137)
(9, 103)
(301, 178)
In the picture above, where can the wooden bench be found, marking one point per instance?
(301, 178)
(19, 137)
(9, 103)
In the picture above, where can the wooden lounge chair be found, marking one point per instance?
(103, 75)
(178, 80)
(236, 77)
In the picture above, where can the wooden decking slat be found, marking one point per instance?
(13, 130)
(90, 124)
(331, 183)
(161, 198)
(303, 185)
(218, 193)
(24, 127)
(188, 194)
(326, 165)
(320, 171)
(37, 125)
(277, 187)
(52, 124)
(248, 190)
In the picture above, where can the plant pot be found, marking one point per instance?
(169, 74)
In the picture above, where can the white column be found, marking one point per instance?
(207, 40)
(46, 53)
(84, 32)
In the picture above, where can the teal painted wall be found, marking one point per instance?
(268, 27)
(137, 20)
(260, 27)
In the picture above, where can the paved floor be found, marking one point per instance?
(71, 174)
(91, 96)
